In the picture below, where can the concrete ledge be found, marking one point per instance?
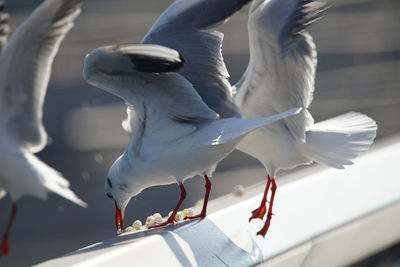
(328, 218)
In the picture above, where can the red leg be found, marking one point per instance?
(5, 244)
(260, 211)
(264, 230)
(171, 218)
(204, 209)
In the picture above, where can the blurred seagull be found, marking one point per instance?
(25, 66)
(174, 134)
(280, 75)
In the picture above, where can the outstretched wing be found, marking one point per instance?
(4, 27)
(225, 130)
(283, 60)
(186, 26)
(25, 69)
(144, 76)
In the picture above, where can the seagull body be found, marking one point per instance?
(280, 74)
(174, 134)
(25, 67)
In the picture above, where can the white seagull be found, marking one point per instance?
(186, 26)
(25, 67)
(280, 75)
(174, 134)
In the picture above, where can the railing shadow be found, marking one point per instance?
(209, 245)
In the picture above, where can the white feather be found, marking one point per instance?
(336, 141)
(22, 173)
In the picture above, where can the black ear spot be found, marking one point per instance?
(109, 182)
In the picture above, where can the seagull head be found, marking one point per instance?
(122, 183)
(117, 190)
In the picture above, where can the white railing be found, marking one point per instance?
(327, 218)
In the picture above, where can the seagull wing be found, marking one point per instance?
(224, 130)
(283, 60)
(145, 77)
(25, 68)
(186, 26)
(4, 27)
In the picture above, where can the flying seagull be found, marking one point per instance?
(280, 74)
(25, 67)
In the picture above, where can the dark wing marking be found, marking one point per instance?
(4, 27)
(302, 15)
(153, 59)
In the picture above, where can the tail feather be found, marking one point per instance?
(336, 141)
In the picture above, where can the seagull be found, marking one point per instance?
(174, 134)
(25, 67)
(187, 27)
(280, 74)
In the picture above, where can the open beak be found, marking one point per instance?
(119, 218)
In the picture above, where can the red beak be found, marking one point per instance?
(119, 218)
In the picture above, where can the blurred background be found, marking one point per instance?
(358, 43)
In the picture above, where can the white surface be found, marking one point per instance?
(351, 212)
(356, 240)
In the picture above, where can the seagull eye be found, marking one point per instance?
(109, 195)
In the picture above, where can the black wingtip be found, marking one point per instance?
(4, 27)
(152, 58)
(2, 6)
(66, 8)
(306, 13)
(153, 64)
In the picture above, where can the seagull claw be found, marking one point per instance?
(258, 213)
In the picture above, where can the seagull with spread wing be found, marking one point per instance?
(25, 67)
(182, 119)
(280, 74)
